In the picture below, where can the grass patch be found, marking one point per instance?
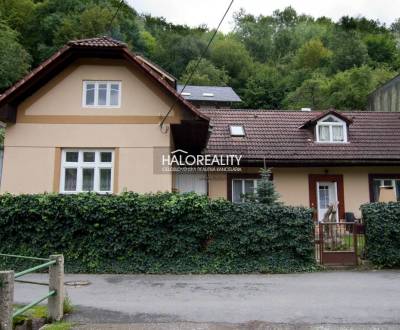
(58, 326)
(41, 312)
(36, 312)
(68, 307)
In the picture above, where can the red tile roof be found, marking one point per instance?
(374, 137)
(95, 45)
(97, 42)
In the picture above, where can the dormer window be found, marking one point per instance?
(331, 129)
(236, 130)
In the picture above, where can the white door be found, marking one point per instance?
(191, 182)
(326, 195)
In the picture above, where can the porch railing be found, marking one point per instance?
(55, 295)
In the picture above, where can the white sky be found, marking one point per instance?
(196, 12)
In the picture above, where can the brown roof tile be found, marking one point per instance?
(93, 45)
(374, 137)
(97, 42)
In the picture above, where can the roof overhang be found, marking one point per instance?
(191, 135)
(257, 162)
(312, 122)
(11, 98)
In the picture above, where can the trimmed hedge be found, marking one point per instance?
(158, 233)
(382, 233)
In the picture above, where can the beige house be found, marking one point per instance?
(96, 117)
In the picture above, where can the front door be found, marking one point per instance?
(326, 196)
(326, 189)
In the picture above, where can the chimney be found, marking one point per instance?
(305, 109)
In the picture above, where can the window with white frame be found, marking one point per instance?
(243, 187)
(331, 130)
(236, 130)
(101, 94)
(87, 170)
(388, 181)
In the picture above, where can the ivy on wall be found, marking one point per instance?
(158, 233)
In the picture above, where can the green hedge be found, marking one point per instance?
(158, 233)
(382, 233)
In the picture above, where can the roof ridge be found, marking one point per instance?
(103, 41)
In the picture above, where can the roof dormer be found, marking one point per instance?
(329, 127)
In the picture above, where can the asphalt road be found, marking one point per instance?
(342, 297)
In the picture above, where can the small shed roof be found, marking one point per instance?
(209, 93)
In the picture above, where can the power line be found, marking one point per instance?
(197, 63)
(115, 15)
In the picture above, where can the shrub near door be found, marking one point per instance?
(159, 233)
(382, 233)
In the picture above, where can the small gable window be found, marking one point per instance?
(101, 94)
(331, 129)
(236, 130)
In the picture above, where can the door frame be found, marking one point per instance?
(312, 183)
(334, 185)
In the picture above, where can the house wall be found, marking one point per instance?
(53, 118)
(386, 97)
(292, 184)
(1, 163)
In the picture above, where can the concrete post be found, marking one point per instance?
(56, 282)
(6, 299)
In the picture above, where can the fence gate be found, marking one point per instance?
(339, 243)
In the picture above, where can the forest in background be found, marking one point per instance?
(287, 60)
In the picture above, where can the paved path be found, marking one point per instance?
(344, 297)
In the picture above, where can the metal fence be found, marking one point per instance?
(55, 295)
(339, 243)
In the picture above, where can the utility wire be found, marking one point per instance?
(197, 63)
(115, 15)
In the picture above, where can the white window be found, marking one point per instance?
(191, 182)
(87, 170)
(236, 130)
(241, 188)
(385, 182)
(101, 94)
(331, 130)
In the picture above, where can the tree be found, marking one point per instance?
(264, 89)
(311, 94)
(312, 55)
(17, 14)
(256, 33)
(382, 48)
(206, 74)
(231, 55)
(265, 192)
(14, 59)
(348, 50)
(349, 89)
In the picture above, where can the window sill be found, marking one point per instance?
(101, 106)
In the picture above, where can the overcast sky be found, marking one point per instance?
(196, 12)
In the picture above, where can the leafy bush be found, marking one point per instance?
(166, 232)
(382, 233)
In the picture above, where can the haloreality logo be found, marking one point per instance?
(181, 157)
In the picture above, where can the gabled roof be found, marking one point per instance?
(323, 114)
(374, 137)
(219, 94)
(158, 69)
(102, 47)
(97, 42)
